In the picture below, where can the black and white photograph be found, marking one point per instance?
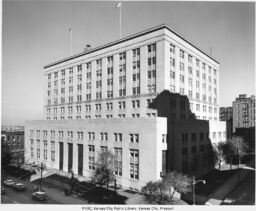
(127, 105)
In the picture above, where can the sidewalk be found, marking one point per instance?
(221, 192)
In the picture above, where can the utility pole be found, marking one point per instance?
(238, 164)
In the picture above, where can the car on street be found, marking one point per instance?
(3, 190)
(228, 202)
(39, 195)
(9, 182)
(19, 187)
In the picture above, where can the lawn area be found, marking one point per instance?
(18, 172)
(88, 191)
(95, 194)
(99, 195)
(213, 180)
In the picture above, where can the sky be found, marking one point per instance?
(35, 33)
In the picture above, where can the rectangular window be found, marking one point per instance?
(118, 161)
(134, 164)
(182, 54)
(172, 48)
(193, 137)
(134, 138)
(118, 137)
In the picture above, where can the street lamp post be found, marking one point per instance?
(41, 180)
(194, 194)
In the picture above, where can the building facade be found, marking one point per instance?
(244, 112)
(106, 99)
(226, 113)
(118, 79)
(15, 140)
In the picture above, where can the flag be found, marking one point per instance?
(70, 29)
(118, 5)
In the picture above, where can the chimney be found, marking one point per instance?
(87, 48)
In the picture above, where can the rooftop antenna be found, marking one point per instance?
(211, 51)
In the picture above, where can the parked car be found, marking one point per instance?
(228, 202)
(19, 187)
(9, 182)
(39, 195)
(3, 190)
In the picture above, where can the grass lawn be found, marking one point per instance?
(18, 172)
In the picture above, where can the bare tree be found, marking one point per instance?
(240, 146)
(177, 182)
(218, 153)
(104, 168)
(164, 190)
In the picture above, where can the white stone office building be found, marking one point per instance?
(100, 99)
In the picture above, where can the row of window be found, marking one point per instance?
(133, 154)
(122, 75)
(193, 137)
(103, 136)
(190, 59)
(98, 106)
(137, 115)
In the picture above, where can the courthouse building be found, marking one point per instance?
(102, 99)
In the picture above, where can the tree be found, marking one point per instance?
(218, 153)
(104, 168)
(177, 182)
(228, 152)
(164, 190)
(240, 146)
(234, 148)
(6, 157)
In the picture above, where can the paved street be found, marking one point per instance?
(244, 193)
(15, 197)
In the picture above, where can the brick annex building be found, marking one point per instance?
(151, 98)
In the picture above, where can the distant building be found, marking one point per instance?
(12, 128)
(15, 141)
(100, 100)
(244, 112)
(226, 113)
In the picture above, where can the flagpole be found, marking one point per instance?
(120, 21)
(70, 41)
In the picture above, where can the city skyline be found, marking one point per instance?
(44, 38)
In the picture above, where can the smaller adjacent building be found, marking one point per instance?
(244, 112)
(145, 148)
(15, 140)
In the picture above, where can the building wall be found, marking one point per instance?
(217, 131)
(184, 137)
(150, 145)
(201, 81)
(15, 141)
(244, 112)
(226, 113)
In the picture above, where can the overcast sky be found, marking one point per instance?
(36, 33)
